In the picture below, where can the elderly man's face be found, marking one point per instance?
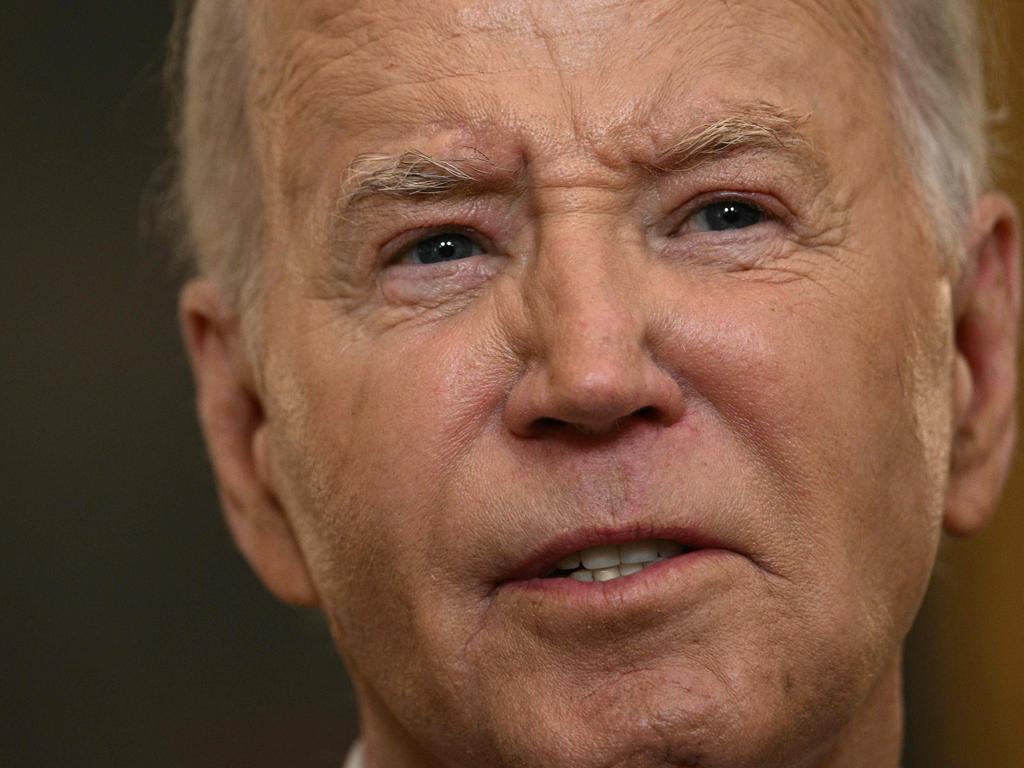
(549, 276)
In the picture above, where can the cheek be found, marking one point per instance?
(377, 438)
(840, 406)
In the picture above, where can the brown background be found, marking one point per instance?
(966, 656)
(132, 633)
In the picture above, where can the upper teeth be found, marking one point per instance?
(610, 562)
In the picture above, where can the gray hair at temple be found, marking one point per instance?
(935, 68)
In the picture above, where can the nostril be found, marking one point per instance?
(648, 413)
(550, 425)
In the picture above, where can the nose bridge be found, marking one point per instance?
(591, 367)
(585, 311)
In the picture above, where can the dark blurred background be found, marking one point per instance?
(133, 633)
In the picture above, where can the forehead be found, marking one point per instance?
(393, 73)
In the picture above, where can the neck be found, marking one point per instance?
(385, 741)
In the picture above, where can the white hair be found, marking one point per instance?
(218, 186)
(937, 78)
(933, 60)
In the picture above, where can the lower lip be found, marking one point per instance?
(680, 573)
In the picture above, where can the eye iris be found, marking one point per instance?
(444, 247)
(731, 215)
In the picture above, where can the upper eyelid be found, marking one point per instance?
(770, 187)
(754, 199)
(737, 200)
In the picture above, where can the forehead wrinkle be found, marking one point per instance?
(326, 66)
(856, 18)
(326, 94)
(368, 40)
(324, 98)
(855, 21)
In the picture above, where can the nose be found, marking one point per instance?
(592, 368)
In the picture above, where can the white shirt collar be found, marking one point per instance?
(355, 756)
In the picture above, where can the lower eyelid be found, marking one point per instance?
(406, 270)
(413, 283)
(764, 231)
(483, 261)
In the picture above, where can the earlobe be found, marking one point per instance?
(985, 368)
(237, 438)
(963, 391)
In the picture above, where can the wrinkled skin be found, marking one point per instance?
(819, 392)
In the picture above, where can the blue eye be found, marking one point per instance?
(728, 214)
(447, 246)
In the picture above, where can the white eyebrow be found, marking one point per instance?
(415, 174)
(758, 126)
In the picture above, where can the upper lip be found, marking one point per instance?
(543, 560)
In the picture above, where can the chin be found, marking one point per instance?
(761, 709)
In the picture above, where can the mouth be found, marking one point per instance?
(605, 576)
(615, 561)
(599, 556)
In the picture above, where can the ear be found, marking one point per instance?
(987, 300)
(237, 438)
